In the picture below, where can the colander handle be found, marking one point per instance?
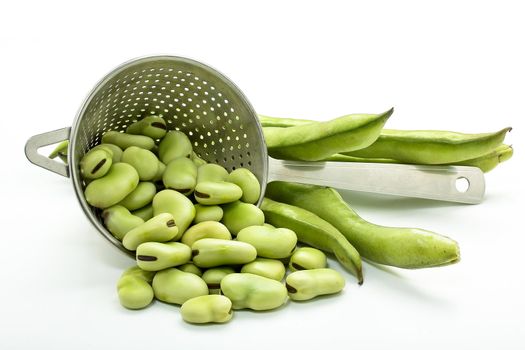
(439, 182)
(45, 139)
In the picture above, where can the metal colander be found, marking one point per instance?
(224, 129)
(192, 97)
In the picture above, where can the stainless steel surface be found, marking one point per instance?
(430, 181)
(45, 139)
(192, 97)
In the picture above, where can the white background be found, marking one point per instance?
(455, 65)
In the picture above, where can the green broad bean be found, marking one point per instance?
(314, 231)
(155, 256)
(134, 293)
(246, 180)
(212, 193)
(174, 286)
(316, 141)
(211, 173)
(180, 175)
(144, 161)
(110, 189)
(95, 164)
(207, 309)
(161, 168)
(308, 284)
(160, 228)
(205, 229)
(198, 161)
(174, 145)
(214, 276)
(191, 268)
(430, 146)
(136, 271)
(178, 205)
(238, 215)
(400, 247)
(212, 252)
(144, 213)
(207, 213)
(307, 258)
(249, 291)
(141, 196)
(268, 268)
(119, 221)
(152, 126)
(114, 150)
(124, 141)
(277, 243)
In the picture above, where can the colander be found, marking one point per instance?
(224, 129)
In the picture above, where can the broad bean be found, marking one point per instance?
(134, 293)
(276, 243)
(268, 268)
(174, 286)
(141, 196)
(198, 161)
(110, 189)
(136, 271)
(211, 173)
(119, 221)
(207, 213)
(307, 258)
(400, 247)
(314, 231)
(174, 145)
(160, 228)
(207, 309)
(211, 252)
(95, 164)
(191, 268)
(124, 141)
(308, 284)
(214, 276)
(178, 205)
(144, 161)
(114, 150)
(155, 256)
(249, 291)
(212, 193)
(144, 213)
(238, 215)
(205, 229)
(180, 175)
(152, 126)
(246, 180)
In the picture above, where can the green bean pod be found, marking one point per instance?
(400, 247)
(490, 160)
(317, 141)
(314, 231)
(431, 147)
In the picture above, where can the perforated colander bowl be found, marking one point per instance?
(192, 97)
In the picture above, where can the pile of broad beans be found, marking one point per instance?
(202, 243)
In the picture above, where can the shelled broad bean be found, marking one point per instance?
(181, 215)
